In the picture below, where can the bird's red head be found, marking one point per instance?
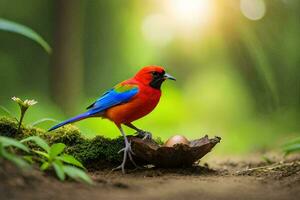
(153, 76)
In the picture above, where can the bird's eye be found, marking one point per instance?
(155, 73)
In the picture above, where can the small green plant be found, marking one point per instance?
(292, 146)
(6, 151)
(52, 157)
(24, 105)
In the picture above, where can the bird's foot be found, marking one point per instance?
(144, 134)
(127, 152)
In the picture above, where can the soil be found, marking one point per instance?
(225, 179)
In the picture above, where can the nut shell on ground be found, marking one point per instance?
(178, 155)
(176, 139)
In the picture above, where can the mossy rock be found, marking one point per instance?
(99, 150)
(94, 153)
(9, 128)
(69, 135)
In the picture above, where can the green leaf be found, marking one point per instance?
(291, 148)
(77, 174)
(294, 141)
(41, 153)
(59, 170)
(45, 166)
(6, 141)
(39, 141)
(42, 120)
(28, 158)
(14, 27)
(70, 160)
(15, 159)
(56, 149)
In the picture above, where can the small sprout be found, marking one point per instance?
(24, 105)
(52, 157)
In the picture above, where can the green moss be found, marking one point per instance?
(69, 135)
(159, 141)
(8, 127)
(89, 151)
(98, 149)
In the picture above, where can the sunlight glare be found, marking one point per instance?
(183, 18)
(191, 12)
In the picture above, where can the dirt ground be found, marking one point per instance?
(223, 180)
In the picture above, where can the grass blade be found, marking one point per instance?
(14, 27)
(42, 121)
(6, 110)
(39, 141)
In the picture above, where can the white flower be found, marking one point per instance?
(30, 102)
(16, 99)
(26, 103)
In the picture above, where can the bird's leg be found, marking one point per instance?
(127, 151)
(140, 132)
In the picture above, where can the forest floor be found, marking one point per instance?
(225, 179)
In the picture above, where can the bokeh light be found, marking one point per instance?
(253, 9)
(191, 12)
(178, 18)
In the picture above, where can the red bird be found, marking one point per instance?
(127, 102)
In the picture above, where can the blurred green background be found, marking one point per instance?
(236, 64)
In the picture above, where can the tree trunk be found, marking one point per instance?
(67, 66)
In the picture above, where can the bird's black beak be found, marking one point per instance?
(168, 76)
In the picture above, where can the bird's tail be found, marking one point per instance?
(73, 119)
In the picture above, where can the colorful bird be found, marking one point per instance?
(127, 102)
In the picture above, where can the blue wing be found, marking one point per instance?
(118, 95)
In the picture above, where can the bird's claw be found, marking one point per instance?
(127, 151)
(145, 135)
